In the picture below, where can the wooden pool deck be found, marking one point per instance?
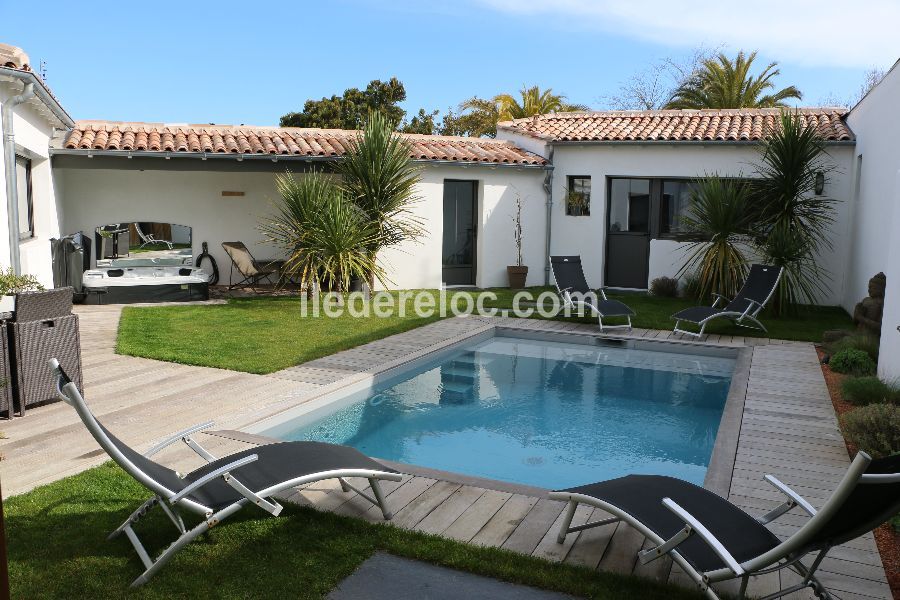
(787, 427)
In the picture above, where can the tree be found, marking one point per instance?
(651, 88)
(379, 176)
(723, 83)
(479, 117)
(871, 78)
(350, 110)
(792, 221)
(423, 122)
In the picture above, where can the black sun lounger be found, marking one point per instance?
(223, 486)
(745, 308)
(575, 291)
(713, 540)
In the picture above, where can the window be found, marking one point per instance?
(629, 205)
(676, 202)
(578, 196)
(23, 191)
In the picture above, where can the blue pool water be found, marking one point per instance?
(539, 413)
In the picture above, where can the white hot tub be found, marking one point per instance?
(145, 283)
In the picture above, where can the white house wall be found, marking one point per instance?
(586, 235)
(96, 197)
(32, 137)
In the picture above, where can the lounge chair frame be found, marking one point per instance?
(171, 502)
(149, 238)
(789, 554)
(248, 281)
(572, 301)
(748, 318)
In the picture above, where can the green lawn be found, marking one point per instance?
(262, 335)
(58, 549)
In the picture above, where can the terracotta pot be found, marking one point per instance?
(517, 277)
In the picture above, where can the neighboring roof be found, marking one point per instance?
(734, 125)
(15, 66)
(278, 141)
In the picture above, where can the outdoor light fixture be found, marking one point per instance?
(820, 183)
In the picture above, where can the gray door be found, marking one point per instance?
(458, 256)
(628, 233)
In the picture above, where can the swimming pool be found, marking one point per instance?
(536, 412)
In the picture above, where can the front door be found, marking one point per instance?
(458, 256)
(628, 233)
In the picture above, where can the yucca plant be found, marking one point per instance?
(379, 176)
(793, 223)
(325, 236)
(717, 230)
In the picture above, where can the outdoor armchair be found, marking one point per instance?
(761, 283)
(574, 290)
(223, 486)
(714, 540)
(250, 270)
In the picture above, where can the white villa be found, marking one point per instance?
(62, 176)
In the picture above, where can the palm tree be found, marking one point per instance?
(723, 83)
(717, 228)
(482, 115)
(380, 178)
(793, 222)
(323, 233)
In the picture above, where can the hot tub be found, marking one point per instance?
(149, 283)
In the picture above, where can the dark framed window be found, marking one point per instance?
(675, 204)
(23, 191)
(578, 196)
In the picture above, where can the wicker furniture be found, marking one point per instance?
(6, 378)
(44, 328)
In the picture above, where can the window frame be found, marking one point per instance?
(29, 199)
(570, 179)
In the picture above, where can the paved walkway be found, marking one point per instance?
(787, 428)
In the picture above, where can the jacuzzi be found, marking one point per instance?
(145, 283)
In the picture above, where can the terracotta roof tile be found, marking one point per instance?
(281, 141)
(737, 125)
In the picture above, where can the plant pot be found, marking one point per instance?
(517, 276)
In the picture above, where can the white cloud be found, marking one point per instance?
(827, 33)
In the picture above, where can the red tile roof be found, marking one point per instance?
(280, 141)
(735, 125)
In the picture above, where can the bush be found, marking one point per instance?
(869, 390)
(666, 287)
(857, 341)
(853, 362)
(691, 287)
(10, 283)
(874, 428)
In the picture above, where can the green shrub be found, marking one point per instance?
(869, 390)
(874, 428)
(10, 283)
(853, 362)
(857, 341)
(666, 287)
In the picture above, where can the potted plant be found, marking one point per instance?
(517, 273)
(576, 203)
(11, 284)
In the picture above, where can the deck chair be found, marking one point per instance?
(743, 310)
(251, 271)
(223, 486)
(713, 540)
(574, 290)
(148, 238)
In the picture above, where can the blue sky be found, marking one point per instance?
(241, 62)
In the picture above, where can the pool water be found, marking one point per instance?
(538, 413)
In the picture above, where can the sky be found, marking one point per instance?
(245, 62)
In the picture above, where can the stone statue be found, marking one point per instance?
(867, 314)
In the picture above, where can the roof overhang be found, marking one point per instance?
(43, 102)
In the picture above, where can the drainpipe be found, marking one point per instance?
(548, 189)
(9, 164)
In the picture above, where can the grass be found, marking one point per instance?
(262, 335)
(58, 549)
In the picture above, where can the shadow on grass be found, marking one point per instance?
(58, 549)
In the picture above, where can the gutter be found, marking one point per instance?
(41, 92)
(682, 142)
(9, 167)
(548, 189)
(169, 154)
